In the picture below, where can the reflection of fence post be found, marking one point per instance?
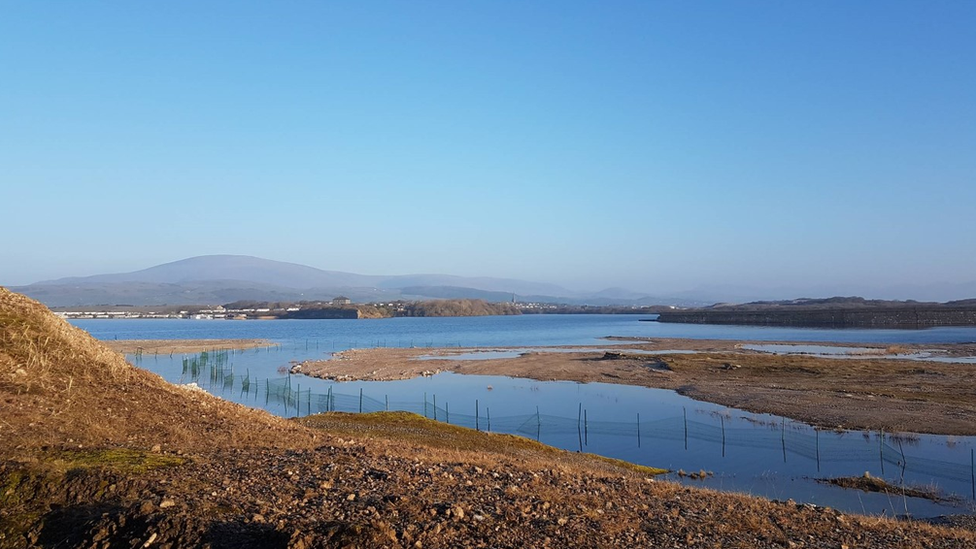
(360, 400)
(904, 462)
(817, 431)
(722, 419)
(477, 411)
(684, 411)
(579, 426)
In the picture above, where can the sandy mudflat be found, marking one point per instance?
(869, 393)
(171, 346)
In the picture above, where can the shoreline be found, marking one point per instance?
(859, 393)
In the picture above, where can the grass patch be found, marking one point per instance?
(121, 460)
(414, 428)
(868, 483)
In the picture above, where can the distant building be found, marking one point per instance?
(341, 300)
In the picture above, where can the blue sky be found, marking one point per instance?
(811, 147)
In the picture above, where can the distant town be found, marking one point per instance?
(340, 307)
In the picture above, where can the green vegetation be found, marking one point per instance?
(868, 483)
(121, 460)
(458, 307)
(413, 428)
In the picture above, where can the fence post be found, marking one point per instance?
(360, 400)
(538, 424)
(387, 399)
(477, 411)
(881, 450)
(783, 439)
(972, 472)
(435, 407)
(425, 404)
(447, 412)
(328, 400)
(298, 401)
(638, 429)
(586, 429)
(488, 411)
(579, 426)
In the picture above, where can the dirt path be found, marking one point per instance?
(870, 393)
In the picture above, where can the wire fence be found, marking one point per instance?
(888, 451)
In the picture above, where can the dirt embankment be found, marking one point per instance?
(869, 393)
(97, 453)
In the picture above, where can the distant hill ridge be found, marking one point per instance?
(226, 278)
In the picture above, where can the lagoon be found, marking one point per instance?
(754, 453)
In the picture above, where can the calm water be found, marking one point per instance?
(494, 331)
(761, 454)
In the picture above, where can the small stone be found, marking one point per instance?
(156, 449)
(562, 521)
(146, 508)
(351, 497)
(258, 518)
(166, 503)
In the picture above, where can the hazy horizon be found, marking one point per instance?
(714, 293)
(740, 149)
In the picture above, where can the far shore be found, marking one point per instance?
(171, 346)
(870, 393)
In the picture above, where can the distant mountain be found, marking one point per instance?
(229, 267)
(214, 279)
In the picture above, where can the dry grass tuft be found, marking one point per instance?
(60, 387)
(41, 352)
